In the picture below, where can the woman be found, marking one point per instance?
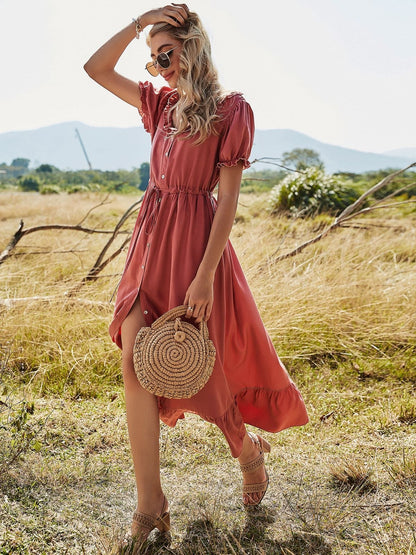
(180, 254)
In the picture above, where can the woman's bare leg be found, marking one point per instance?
(249, 452)
(142, 422)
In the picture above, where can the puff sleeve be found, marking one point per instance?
(153, 103)
(238, 133)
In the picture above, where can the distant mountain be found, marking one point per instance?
(276, 141)
(111, 148)
(406, 152)
(108, 148)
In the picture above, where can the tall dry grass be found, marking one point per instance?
(350, 294)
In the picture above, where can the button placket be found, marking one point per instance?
(168, 147)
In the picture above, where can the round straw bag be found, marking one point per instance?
(173, 358)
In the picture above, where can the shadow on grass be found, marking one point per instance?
(202, 537)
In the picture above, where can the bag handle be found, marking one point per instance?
(177, 312)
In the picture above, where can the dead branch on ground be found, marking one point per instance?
(20, 233)
(352, 211)
(101, 263)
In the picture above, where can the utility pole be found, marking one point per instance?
(83, 148)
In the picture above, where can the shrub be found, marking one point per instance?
(77, 189)
(311, 192)
(29, 183)
(50, 190)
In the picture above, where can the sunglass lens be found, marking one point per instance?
(150, 66)
(163, 60)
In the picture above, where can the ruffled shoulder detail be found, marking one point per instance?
(230, 102)
(153, 104)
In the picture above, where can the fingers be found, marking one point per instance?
(184, 6)
(194, 310)
(176, 14)
(199, 312)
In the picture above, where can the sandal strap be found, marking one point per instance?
(253, 465)
(146, 521)
(256, 488)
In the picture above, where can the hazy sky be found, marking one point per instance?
(342, 71)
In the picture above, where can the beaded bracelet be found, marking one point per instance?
(139, 27)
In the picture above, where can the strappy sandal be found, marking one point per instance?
(144, 523)
(246, 468)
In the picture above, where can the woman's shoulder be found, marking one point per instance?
(233, 108)
(232, 103)
(232, 100)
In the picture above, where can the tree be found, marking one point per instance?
(144, 175)
(302, 158)
(21, 163)
(45, 168)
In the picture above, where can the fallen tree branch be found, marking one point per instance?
(388, 179)
(104, 201)
(20, 233)
(348, 214)
(377, 207)
(100, 263)
(31, 253)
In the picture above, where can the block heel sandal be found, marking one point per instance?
(246, 468)
(144, 523)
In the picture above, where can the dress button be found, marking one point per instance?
(146, 312)
(163, 176)
(143, 267)
(166, 153)
(148, 244)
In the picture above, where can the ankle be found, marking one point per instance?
(249, 450)
(150, 502)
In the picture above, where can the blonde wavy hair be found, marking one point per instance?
(199, 89)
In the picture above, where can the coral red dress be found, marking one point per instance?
(249, 383)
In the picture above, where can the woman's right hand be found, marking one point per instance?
(101, 65)
(174, 14)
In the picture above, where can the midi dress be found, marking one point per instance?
(249, 383)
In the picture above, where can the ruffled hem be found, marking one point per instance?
(272, 411)
(234, 162)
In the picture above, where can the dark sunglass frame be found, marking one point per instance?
(161, 60)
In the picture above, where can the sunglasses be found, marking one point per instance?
(162, 60)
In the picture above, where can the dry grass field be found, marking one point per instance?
(342, 317)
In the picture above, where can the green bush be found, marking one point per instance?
(311, 192)
(49, 190)
(77, 189)
(29, 183)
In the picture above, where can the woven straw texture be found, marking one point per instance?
(173, 358)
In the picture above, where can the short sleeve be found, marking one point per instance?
(153, 103)
(238, 133)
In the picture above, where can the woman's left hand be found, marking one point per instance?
(200, 296)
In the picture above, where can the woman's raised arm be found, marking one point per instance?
(100, 66)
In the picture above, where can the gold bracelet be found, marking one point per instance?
(139, 27)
